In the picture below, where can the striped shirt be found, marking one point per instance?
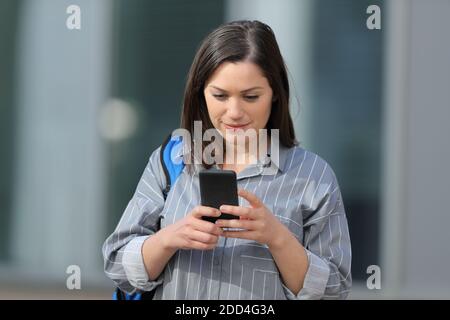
(302, 193)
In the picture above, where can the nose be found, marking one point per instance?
(234, 110)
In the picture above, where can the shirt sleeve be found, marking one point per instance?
(123, 262)
(327, 245)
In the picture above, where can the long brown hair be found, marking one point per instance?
(239, 41)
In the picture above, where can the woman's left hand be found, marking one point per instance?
(259, 223)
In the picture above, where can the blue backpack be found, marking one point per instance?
(171, 171)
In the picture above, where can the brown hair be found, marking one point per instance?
(235, 42)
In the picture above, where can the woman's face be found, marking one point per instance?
(238, 96)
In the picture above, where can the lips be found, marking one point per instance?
(235, 126)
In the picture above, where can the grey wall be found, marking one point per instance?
(415, 232)
(427, 189)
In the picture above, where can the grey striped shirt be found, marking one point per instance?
(303, 194)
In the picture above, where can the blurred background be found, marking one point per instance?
(82, 110)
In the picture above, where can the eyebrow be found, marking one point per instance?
(246, 90)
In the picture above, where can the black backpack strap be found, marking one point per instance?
(166, 189)
(119, 294)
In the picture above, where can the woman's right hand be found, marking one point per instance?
(192, 232)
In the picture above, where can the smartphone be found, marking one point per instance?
(218, 187)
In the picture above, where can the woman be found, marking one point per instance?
(292, 240)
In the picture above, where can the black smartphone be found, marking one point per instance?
(218, 187)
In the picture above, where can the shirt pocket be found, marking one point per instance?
(263, 277)
(290, 218)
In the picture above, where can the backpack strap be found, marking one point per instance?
(172, 166)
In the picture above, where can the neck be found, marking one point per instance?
(244, 155)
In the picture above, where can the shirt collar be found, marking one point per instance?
(279, 160)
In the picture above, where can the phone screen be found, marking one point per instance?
(218, 187)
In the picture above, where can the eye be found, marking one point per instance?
(251, 98)
(220, 96)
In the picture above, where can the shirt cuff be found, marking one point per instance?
(134, 267)
(315, 282)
